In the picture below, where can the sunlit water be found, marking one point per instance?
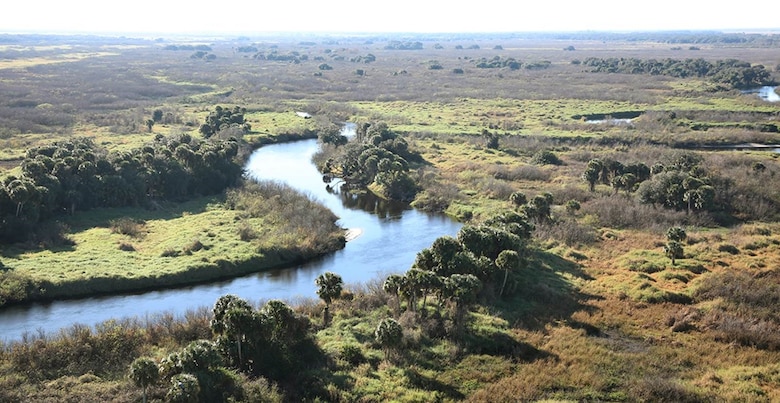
(766, 93)
(391, 236)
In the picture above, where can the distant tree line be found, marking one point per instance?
(204, 48)
(294, 57)
(76, 175)
(498, 62)
(675, 37)
(203, 55)
(403, 45)
(363, 59)
(730, 72)
(246, 49)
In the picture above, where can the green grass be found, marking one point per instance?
(178, 244)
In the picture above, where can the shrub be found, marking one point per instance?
(170, 252)
(546, 157)
(728, 248)
(126, 247)
(352, 354)
(127, 226)
(194, 246)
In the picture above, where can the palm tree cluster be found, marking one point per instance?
(483, 260)
(73, 175)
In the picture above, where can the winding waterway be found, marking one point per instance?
(390, 235)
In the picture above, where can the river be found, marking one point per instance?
(390, 235)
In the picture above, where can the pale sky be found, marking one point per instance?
(240, 16)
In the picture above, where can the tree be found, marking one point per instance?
(673, 250)
(462, 290)
(157, 115)
(238, 324)
(676, 234)
(518, 199)
(184, 389)
(234, 319)
(491, 139)
(389, 334)
(329, 288)
(144, 372)
(539, 208)
(507, 261)
(392, 286)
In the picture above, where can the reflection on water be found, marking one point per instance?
(370, 203)
(767, 93)
(392, 234)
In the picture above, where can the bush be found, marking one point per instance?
(352, 354)
(126, 247)
(728, 248)
(546, 157)
(127, 226)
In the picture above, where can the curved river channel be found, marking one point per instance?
(390, 237)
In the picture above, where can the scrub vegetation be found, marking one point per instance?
(618, 193)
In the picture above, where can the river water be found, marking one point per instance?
(391, 234)
(766, 93)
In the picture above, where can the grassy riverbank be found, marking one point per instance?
(131, 249)
(603, 308)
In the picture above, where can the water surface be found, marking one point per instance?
(391, 236)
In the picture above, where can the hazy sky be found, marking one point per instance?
(163, 16)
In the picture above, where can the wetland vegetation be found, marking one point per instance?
(597, 261)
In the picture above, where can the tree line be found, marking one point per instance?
(680, 184)
(76, 175)
(730, 72)
(498, 62)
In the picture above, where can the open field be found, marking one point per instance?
(602, 309)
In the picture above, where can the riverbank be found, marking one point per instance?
(179, 245)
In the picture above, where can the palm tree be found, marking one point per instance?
(144, 372)
(238, 324)
(185, 388)
(673, 250)
(234, 319)
(392, 286)
(330, 286)
(462, 290)
(389, 334)
(507, 260)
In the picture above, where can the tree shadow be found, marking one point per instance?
(544, 292)
(421, 381)
(54, 234)
(501, 344)
(103, 217)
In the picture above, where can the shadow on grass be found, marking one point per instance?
(418, 380)
(103, 217)
(546, 291)
(502, 345)
(53, 235)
